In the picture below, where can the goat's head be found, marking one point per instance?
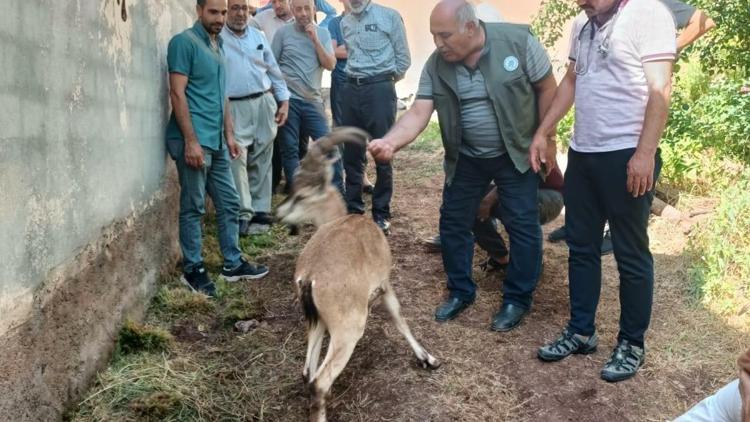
(313, 198)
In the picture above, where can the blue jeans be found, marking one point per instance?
(215, 178)
(306, 118)
(595, 192)
(519, 213)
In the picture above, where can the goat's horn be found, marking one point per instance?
(345, 134)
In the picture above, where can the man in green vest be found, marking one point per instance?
(490, 83)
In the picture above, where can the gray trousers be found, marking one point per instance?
(255, 129)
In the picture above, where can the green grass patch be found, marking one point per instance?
(720, 251)
(135, 338)
(177, 300)
(429, 140)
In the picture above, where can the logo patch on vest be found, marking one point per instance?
(510, 63)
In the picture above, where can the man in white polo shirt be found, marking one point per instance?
(271, 20)
(619, 77)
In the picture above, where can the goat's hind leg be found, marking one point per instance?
(315, 334)
(343, 341)
(391, 303)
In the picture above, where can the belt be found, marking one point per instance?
(366, 80)
(250, 97)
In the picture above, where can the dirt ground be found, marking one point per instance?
(486, 376)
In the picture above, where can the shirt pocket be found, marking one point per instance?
(373, 40)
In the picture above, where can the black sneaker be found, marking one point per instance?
(567, 344)
(384, 225)
(607, 247)
(198, 281)
(624, 362)
(245, 271)
(557, 235)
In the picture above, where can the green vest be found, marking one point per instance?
(511, 92)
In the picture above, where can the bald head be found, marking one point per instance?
(455, 29)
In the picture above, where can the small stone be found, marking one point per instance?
(246, 326)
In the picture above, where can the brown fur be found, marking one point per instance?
(344, 267)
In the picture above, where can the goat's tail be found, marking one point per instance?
(306, 298)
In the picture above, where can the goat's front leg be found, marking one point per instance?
(391, 303)
(315, 334)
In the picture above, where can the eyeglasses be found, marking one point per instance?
(238, 7)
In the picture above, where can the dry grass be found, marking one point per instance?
(212, 372)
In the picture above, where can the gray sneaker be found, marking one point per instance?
(567, 344)
(624, 362)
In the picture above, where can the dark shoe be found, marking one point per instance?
(384, 225)
(607, 243)
(450, 309)
(244, 227)
(624, 362)
(557, 235)
(368, 189)
(198, 281)
(432, 243)
(245, 271)
(508, 317)
(263, 218)
(492, 265)
(566, 345)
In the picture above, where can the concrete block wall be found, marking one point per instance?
(87, 195)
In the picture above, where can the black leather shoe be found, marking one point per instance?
(508, 317)
(450, 309)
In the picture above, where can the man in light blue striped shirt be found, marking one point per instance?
(378, 56)
(259, 102)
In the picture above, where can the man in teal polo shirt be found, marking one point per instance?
(196, 141)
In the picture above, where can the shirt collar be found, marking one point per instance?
(228, 33)
(203, 34)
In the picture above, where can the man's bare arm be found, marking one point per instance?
(193, 150)
(562, 101)
(641, 166)
(406, 129)
(699, 24)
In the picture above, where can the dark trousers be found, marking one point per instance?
(372, 108)
(595, 192)
(550, 204)
(277, 166)
(337, 100)
(305, 119)
(518, 212)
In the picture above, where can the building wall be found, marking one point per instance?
(87, 196)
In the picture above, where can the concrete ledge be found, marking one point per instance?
(49, 358)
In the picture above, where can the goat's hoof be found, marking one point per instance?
(430, 363)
